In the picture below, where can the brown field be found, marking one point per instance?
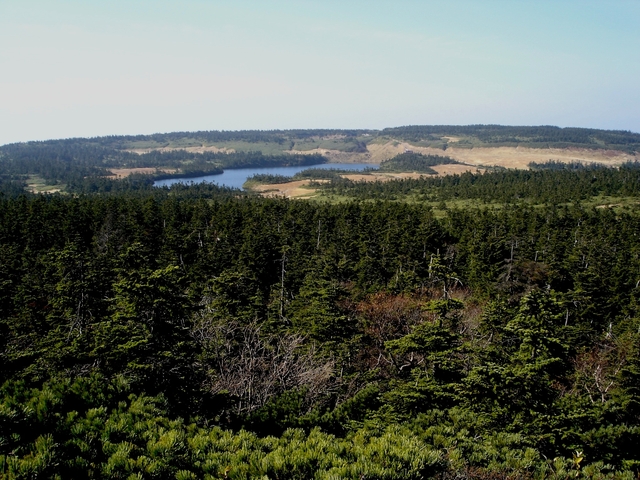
(295, 189)
(125, 172)
(453, 169)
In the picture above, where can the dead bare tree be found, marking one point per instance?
(253, 367)
(597, 370)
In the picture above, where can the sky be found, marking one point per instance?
(91, 68)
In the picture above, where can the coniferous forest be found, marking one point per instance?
(203, 332)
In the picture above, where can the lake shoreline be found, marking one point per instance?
(235, 178)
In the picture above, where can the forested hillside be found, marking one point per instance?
(192, 333)
(547, 184)
(71, 163)
(415, 162)
(63, 164)
(501, 135)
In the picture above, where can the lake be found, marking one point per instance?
(235, 178)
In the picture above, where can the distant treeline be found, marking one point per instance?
(307, 174)
(250, 136)
(269, 178)
(538, 186)
(160, 140)
(558, 165)
(539, 137)
(489, 134)
(415, 162)
(326, 173)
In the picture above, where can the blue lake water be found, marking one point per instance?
(236, 177)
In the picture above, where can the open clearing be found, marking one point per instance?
(41, 188)
(36, 184)
(297, 189)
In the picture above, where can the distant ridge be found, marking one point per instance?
(426, 135)
(64, 164)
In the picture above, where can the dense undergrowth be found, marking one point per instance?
(190, 333)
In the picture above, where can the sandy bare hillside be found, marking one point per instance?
(510, 157)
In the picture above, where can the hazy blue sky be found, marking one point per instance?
(85, 68)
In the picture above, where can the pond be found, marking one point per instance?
(235, 178)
